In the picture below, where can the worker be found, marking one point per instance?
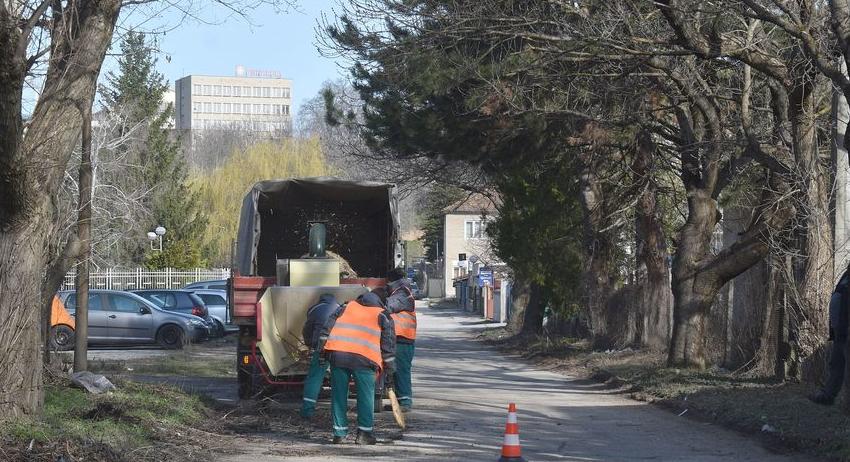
(839, 312)
(317, 317)
(401, 305)
(359, 342)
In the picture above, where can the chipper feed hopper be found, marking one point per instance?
(299, 239)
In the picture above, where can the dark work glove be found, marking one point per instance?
(389, 379)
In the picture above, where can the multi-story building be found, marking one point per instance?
(466, 239)
(251, 100)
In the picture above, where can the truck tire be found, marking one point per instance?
(250, 383)
(170, 337)
(62, 338)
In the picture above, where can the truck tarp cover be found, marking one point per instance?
(360, 219)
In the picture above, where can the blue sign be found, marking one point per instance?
(485, 275)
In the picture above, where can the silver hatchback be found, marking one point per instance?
(117, 317)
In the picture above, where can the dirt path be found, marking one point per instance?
(462, 391)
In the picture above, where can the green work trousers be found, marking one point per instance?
(402, 376)
(313, 384)
(364, 381)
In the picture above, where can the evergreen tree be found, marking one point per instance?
(136, 87)
(136, 92)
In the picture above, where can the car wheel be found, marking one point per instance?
(170, 337)
(62, 338)
(219, 330)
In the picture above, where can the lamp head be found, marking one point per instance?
(160, 230)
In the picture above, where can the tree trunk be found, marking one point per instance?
(81, 337)
(814, 280)
(532, 322)
(771, 356)
(693, 289)
(21, 266)
(32, 164)
(519, 300)
(656, 297)
(598, 251)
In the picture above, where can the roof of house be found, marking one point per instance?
(473, 203)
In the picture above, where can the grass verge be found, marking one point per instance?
(139, 422)
(778, 413)
(173, 364)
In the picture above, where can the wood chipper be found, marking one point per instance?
(300, 238)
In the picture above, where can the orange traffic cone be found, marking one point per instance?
(511, 451)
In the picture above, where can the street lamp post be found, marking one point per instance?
(156, 233)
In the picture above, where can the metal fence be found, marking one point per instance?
(144, 279)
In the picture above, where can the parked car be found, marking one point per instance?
(216, 302)
(181, 301)
(215, 284)
(116, 317)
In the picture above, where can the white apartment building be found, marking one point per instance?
(252, 100)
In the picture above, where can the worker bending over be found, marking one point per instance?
(317, 317)
(402, 308)
(359, 341)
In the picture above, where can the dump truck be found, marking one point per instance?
(299, 238)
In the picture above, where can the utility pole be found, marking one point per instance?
(84, 233)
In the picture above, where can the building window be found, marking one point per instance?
(277, 92)
(196, 89)
(474, 229)
(208, 107)
(225, 107)
(237, 91)
(286, 92)
(196, 107)
(225, 90)
(258, 109)
(216, 90)
(285, 109)
(267, 92)
(258, 92)
(207, 90)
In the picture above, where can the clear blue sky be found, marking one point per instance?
(284, 42)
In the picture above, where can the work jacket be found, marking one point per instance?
(402, 308)
(317, 316)
(360, 334)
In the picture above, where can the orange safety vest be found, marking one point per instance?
(405, 324)
(357, 331)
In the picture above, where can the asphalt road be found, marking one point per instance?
(462, 390)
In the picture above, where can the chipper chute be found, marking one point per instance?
(284, 311)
